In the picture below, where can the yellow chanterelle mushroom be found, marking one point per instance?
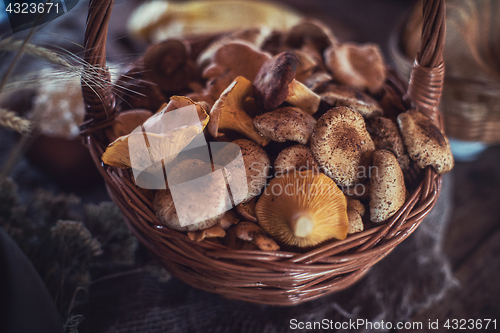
(303, 209)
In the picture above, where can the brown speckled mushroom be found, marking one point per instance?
(295, 158)
(336, 95)
(387, 190)
(358, 66)
(227, 113)
(385, 135)
(256, 164)
(275, 84)
(425, 143)
(342, 146)
(355, 212)
(286, 123)
(249, 236)
(316, 80)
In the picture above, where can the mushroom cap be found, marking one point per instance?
(213, 198)
(271, 83)
(385, 135)
(295, 158)
(355, 212)
(286, 123)
(316, 80)
(125, 122)
(233, 60)
(341, 145)
(425, 143)
(302, 97)
(168, 65)
(309, 32)
(228, 114)
(213, 232)
(303, 209)
(336, 95)
(257, 166)
(358, 66)
(387, 187)
(253, 37)
(249, 236)
(247, 210)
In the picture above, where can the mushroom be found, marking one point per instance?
(385, 135)
(286, 123)
(249, 236)
(303, 209)
(295, 158)
(358, 66)
(425, 143)
(168, 64)
(336, 95)
(253, 37)
(247, 210)
(310, 33)
(197, 209)
(125, 122)
(387, 190)
(228, 219)
(342, 146)
(227, 113)
(230, 61)
(355, 212)
(275, 84)
(305, 66)
(257, 166)
(212, 232)
(168, 132)
(316, 80)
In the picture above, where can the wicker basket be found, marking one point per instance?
(471, 109)
(281, 277)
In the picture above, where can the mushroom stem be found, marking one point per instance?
(302, 224)
(302, 97)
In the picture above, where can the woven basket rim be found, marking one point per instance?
(280, 277)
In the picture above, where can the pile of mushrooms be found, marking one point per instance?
(322, 157)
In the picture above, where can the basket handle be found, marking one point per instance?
(427, 75)
(425, 86)
(98, 99)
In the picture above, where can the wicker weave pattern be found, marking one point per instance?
(281, 277)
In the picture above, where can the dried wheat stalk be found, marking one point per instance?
(12, 121)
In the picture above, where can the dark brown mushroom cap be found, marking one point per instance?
(286, 123)
(342, 146)
(336, 95)
(425, 143)
(271, 83)
(168, 65)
